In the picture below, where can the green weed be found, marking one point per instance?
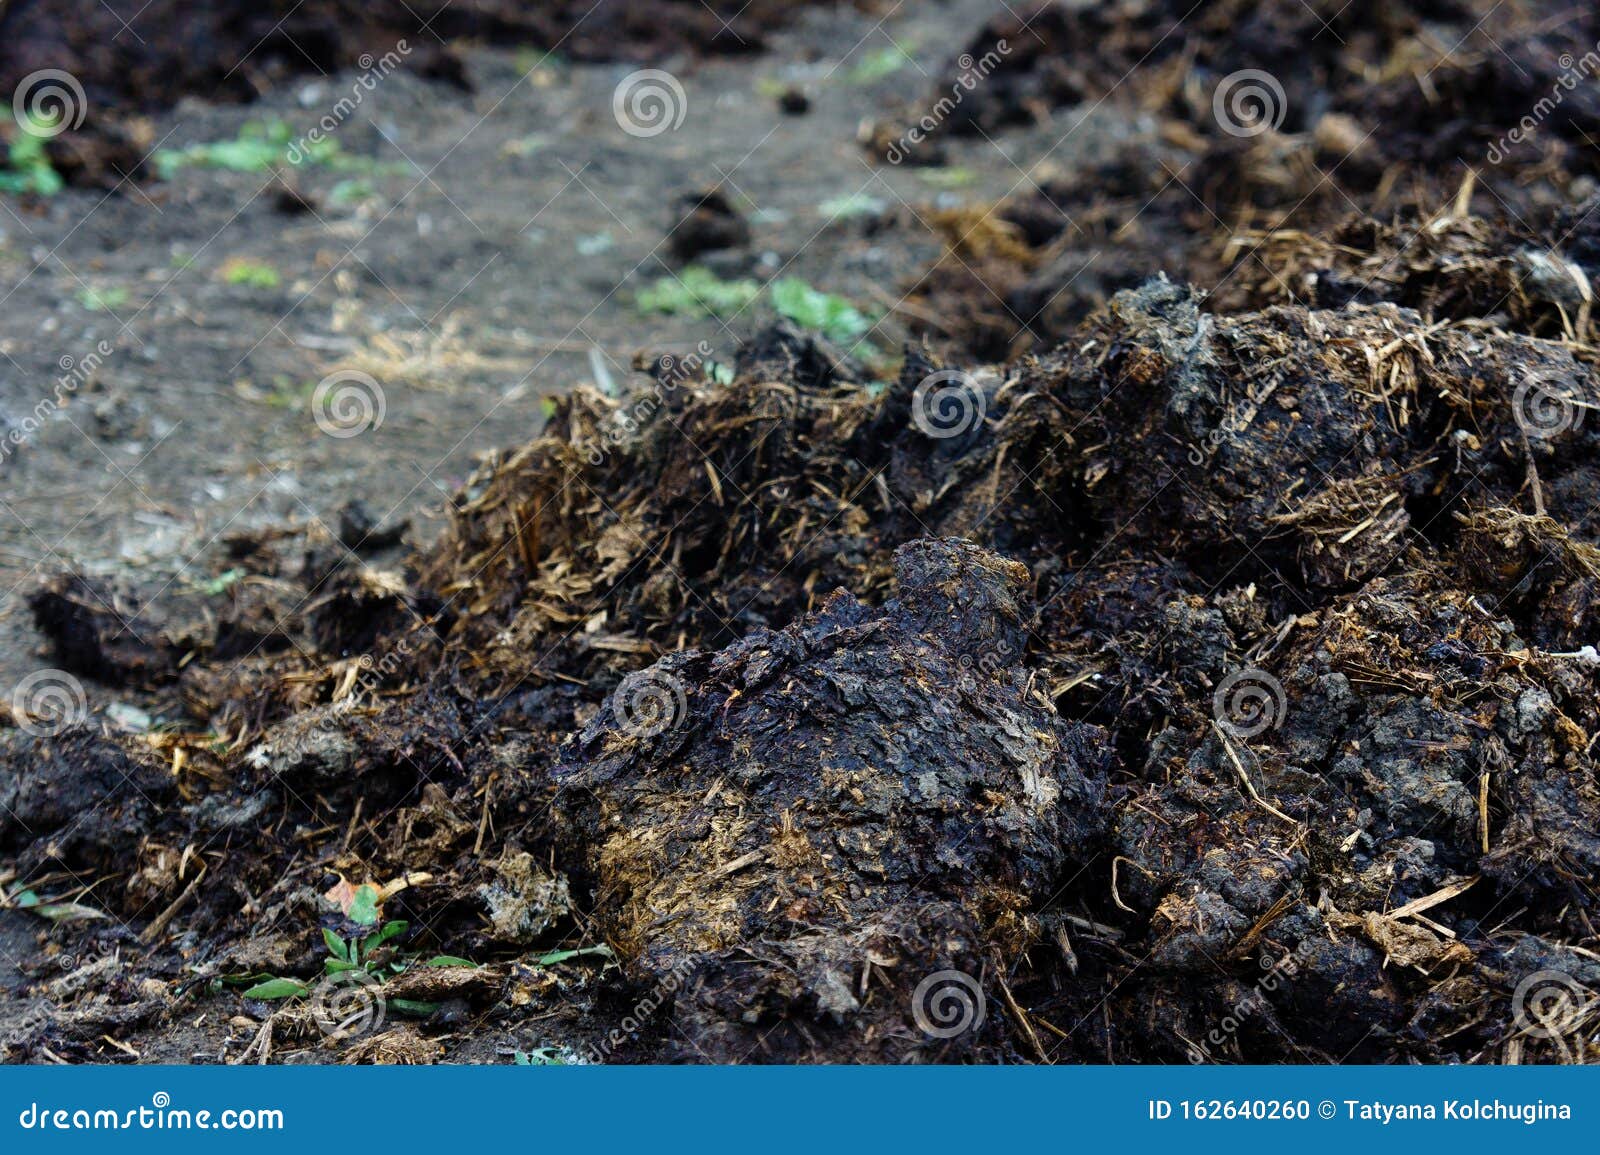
(853, 205)
(252, 274)
(832, 315)
(353, 191)
(103, 300)
(259, 147)
(955, 176)
(362, 952)
(28, 168)
(880, 62)
(697, 292)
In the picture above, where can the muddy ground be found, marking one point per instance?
(1123, 591)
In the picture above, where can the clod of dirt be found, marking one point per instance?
(816, 819)
(707, 222)
(76, 797)
(1016, 68)
(88, 624)
(1305, 440)
(1446, 267)
(524, 900)
(360, 533)
(794, 102)
(1357, 781)
(290, 200)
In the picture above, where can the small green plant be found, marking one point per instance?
(263, 146)
(853, 205)
(697, 292)
(539, 1057)
(343, 955)
(358, 953)
(352, 191)
(28, 168)
(287, 393)
(222, 583)
(364, 952)
(24, 898)
(880, 62)
(103, 300)
(259, 147)
(956, 176)
(525, 145)
(533, 59)
(355, 953)
(252, 274)
(834, 316)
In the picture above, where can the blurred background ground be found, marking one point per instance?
(473, 251)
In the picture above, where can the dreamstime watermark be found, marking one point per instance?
(948, 403)
(75, 373)
(640, 1014)
(1249, 102)
(347, 403)
(649, 702)
(49, 102)
(160, 1115)
(649, 102)
(1555, 1006)
(1572, 71)
(1544, 411)
(373, 673)
(992, 659)
(348, 1004)
(1213, 440)
(672, 371)
(1249, 702)
(80, 969)
(973, 71)
(1278, 972)
(947, 1004)
(79, 972)
(20, 1032)
(373, 70)
(48, 702)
